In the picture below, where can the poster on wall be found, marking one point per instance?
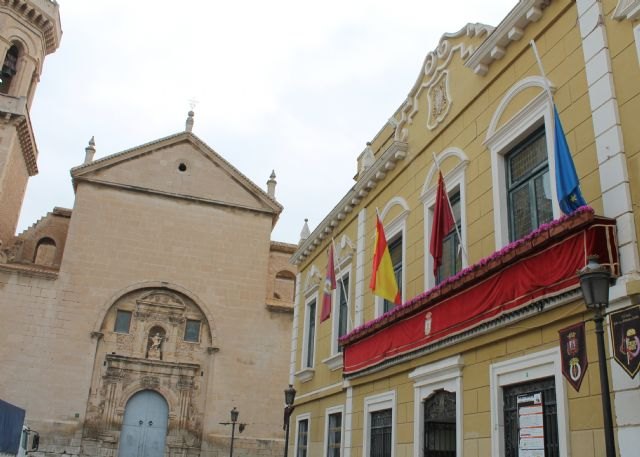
(625, 329)
(573, 354)
(530, 425)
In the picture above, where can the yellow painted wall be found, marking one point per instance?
(475, 100)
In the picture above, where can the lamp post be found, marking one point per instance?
(289, 398)
(234, 420)
(594, 281)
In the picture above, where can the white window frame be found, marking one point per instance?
(502, 139)
(527, 368)
(328, 412)
(391, 230)
(306, 372)
(335, 361)
(375, 403)
(444, 374)
(300, 418)
(452, 180)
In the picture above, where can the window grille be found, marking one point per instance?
(440, 425)
(380, 433)
(334, 435)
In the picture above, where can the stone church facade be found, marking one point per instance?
(134, 322)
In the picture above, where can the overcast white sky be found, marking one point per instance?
(289, 85)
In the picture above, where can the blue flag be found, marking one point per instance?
(567, 184)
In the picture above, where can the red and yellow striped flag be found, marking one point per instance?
(383, 280)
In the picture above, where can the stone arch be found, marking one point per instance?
(161, 285)
(169, 396)
(18, 36)
(510, 95)
(284, 285)
(391, 203)
(45, 252)
(452, 152)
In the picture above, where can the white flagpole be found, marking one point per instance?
(542, 73)
(455, 224)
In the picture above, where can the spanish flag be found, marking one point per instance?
(383, 280)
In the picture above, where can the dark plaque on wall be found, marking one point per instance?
(573, 351)
(625, 330)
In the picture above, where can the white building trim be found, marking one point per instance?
(360, 247)
(612, 163)
(501, 138)
(391, 230)
(375, 403)
(327, 413)
(294, 331)
(529, 367)
(348, 422)
(307, 370)
(454, 179)
(445, 374)
(300, 418)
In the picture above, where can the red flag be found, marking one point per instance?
(443, 222)
(329, 286)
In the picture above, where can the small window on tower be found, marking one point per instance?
(9, 68)
(192, 331)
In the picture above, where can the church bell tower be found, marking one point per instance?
(29, 31)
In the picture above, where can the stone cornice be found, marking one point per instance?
(510, 29)
(627, 9)
(43, 14)
(14, 110)
(369, 179)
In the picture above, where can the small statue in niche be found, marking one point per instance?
(154, 348)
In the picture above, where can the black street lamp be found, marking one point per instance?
(234, 420)
(594, 281)
(289, 398)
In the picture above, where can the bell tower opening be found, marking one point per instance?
(9, 69)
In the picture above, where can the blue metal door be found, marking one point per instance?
(144, 427)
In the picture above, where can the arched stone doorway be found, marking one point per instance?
(155, 340)
(144, 427)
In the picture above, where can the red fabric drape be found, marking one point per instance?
(544, 274)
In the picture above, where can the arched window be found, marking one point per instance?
(45, 252)
(9, 68)
(285, 286)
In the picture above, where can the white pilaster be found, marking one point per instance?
(294, 332)
(348, 422)
(360, 246)
(612, 163)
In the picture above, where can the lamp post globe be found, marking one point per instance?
(289, 395)
(594, 281)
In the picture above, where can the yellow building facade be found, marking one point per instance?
(447, 372)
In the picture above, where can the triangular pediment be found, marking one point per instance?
(178, 166)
